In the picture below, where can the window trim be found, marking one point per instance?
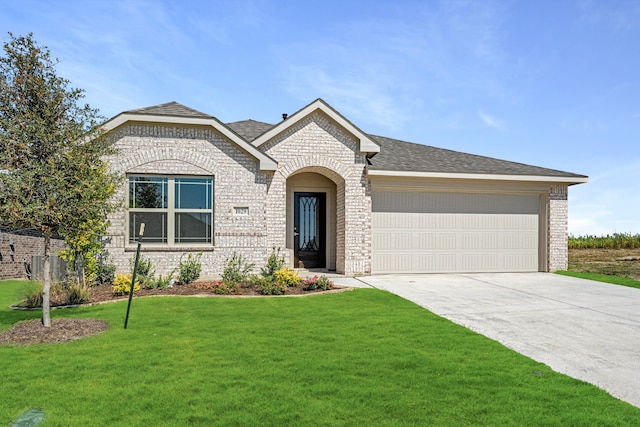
(171, 212)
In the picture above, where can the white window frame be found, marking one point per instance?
(170, 210)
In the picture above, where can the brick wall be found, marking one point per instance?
(193, 151)
(317, 144)
(25, 244)
(558, 228)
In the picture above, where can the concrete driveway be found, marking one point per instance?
(585, 329)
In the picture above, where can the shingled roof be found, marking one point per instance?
(249, 129)
(396, 155)
(173, 109)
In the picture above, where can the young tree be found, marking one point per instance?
(52, 153)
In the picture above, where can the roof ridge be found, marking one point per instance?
(249, 120)
(427, 158)
(172, 108)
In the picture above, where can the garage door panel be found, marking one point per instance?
(439, 232)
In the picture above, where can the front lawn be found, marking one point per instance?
(356, 358)
(606, 278)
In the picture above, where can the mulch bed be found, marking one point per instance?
(61, 330)
(103, 293)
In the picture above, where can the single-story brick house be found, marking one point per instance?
(328, 194)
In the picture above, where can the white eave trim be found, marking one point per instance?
(479, 176)
(266, 163)
(367, 145)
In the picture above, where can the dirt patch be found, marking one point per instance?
(61, 330)
(618, 262)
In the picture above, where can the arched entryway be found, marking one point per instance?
(314, 224)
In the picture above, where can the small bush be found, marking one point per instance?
(275, 262)
(122, 284)
(236, 270)
(144, 270)
(161, 282)
(286, 277)
(317, 282)
(32, 294)
(267, 285)
(77, 294)
(106, 273)
(220, 287)
(189, 270)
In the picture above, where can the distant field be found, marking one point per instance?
(612, 262)
(617, 254)
(613, 241)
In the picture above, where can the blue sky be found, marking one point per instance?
(548, 83)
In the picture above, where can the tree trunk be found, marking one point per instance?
(80, 268)
(46, 290)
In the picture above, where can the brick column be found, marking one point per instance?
(558, 228)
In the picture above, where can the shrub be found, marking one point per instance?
(220, 287)
(317, 282)
(189, 270)
(122, 284)
(77, 294)
(267, 285)
(286, 277)
(274, 263)
(144, 270)
(236, 270)
(161, 282)
(106, 273)
(32, 294)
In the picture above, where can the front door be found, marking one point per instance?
(309, 230)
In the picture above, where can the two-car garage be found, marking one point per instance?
(455, 231)
(435, 210)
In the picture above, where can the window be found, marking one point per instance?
(175, 210)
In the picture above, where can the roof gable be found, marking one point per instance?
(175, 113)
(173, 109)
(367, 144)
(392, 157)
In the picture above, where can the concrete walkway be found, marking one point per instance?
(587, 330)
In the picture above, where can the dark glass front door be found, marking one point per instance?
(309, 230)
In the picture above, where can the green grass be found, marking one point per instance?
(360, 358)
(609, 241)
(606, 278)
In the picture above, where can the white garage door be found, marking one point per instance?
(454, 232)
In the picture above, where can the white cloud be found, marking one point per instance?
(490, 120)
(427, 52)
